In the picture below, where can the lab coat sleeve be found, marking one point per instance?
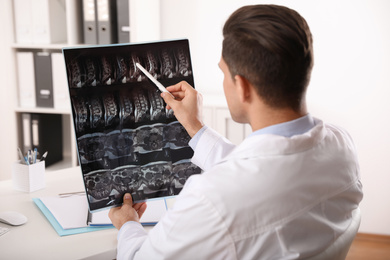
(182, 232)
(210, 149)
(130, 238)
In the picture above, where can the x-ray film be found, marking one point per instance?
(126, 138)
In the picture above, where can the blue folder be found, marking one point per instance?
(65, 232)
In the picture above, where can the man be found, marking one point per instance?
(287, 191)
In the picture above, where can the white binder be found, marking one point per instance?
(49, 21)
(27, 132)
(23, 20)
(60, 85)
(26, 79)
(40, 21)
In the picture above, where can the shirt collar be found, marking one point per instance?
(287, 129)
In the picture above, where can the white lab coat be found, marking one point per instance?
(271, 197)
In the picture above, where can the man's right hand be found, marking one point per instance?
(187, 106)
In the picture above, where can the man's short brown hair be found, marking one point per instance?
(272, 47)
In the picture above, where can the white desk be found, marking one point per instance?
(37, 239)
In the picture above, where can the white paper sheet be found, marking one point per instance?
(72, 211)
(154, 212)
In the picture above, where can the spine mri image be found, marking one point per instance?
(126, 138)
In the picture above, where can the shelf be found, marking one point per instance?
(142, 12)
(40, 110)
(53, 46)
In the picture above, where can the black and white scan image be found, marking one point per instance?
(126, 138)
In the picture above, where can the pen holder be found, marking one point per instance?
(28, 178)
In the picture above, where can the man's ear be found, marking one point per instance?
(243, 88)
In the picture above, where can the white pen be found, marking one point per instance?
(22, 159)
(155, 81)
(68, 194)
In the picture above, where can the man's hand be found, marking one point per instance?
(187, 106)
(127, 212)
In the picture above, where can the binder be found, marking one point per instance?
(23, 21)
(26, 79)
(90, 22)
(47, 136)
(106, 21)
(56, 224)
(40, 21)
(74, 20)
(43, 79)
(44, 132)
(60, 86)
(56, 209)
(26, 129)
(122, 7)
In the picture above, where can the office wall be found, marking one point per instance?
(350, 83)
(8, 135)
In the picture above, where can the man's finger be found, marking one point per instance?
(112, 212)
(137, 206)
(176, 88)
(178, 95)
(142, 209)
(168, 99)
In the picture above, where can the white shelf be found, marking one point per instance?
(145, 26)
(53, 46)
(39, 110)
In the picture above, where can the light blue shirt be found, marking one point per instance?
(287, 129)
(290, 128)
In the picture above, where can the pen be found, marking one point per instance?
(67, 194)
(155, 81)
(29, 157)
(22, 159)
(35, 154)
(43, 156)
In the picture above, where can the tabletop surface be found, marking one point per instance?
(37, 239)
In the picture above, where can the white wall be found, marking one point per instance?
(8, 142)
(350, 83)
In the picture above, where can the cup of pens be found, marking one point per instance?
(28, 174)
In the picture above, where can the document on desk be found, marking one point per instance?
(155, 210)
(70, 215)
(70, 212)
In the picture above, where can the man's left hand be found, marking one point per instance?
(127, 212)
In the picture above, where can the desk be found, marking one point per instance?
(37, 239)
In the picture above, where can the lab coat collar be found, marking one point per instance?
(269, 144)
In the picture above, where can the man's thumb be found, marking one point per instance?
(127, 199)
